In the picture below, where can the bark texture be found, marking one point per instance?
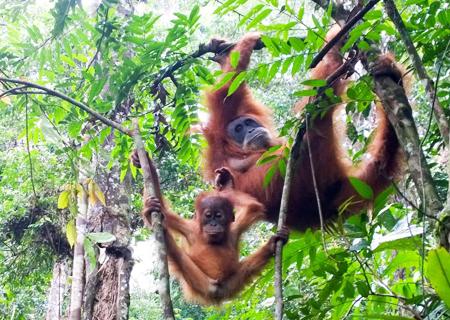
(58, 288)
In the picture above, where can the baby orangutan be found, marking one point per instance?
(208, 265)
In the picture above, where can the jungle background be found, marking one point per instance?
(113, 56)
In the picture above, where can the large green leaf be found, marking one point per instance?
(363, 189)
(101, 237)
(405, 239)
(438, 272)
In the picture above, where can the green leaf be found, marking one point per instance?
(71, 232)
(282, 167)
(383, 317)
(60, 13)
(227, 77)
(193, 17)
(266, 159)
(315, 83)
(250, 13)
(306, 93)
(296, 43)
(286, 64)
(236, 83)
(373, 15)
(381, 198)
(63, 199)
(438, 272)
(403, 259)
(363, 189)
(348, 289)
(363, 289)
(90, 253)
(263, 14)
(101, 237)
(234, 58)
(300, 13)
(273, 70)
(269, 175)
(96, 88)
(406, 239)
(74, 129)
(297, 64)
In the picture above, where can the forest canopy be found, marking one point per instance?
(83, 83)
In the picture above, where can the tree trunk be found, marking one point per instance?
(57, 290)
(76, 297)
(107, 290)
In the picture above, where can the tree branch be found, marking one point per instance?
(399, 113)
(345, 28)
(214, 46)
(74, 102)
(150, 190)
(164, 289)
(290, 171)
(430, 89)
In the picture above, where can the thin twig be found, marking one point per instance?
(292, 165)
(433, 108)
(351, 307)
(212, 47)
(316, 189)
(99, 42)
(11, 91)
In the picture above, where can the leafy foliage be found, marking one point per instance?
(381, 264)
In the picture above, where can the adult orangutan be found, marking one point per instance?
(240, 129)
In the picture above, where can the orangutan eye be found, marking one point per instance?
(238, 128)
(208, 214)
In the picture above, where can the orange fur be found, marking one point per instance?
(210, 273)
(331, 170)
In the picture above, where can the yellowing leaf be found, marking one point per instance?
(63, 199)
(91, 192)
(71, 232)
(80, 192)
(99, 194)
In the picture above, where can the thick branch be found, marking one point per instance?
(399, 113)
(74, 102)
(439, 114)
(158, 231)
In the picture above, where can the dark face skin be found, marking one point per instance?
(248, 133)
(216, 216)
